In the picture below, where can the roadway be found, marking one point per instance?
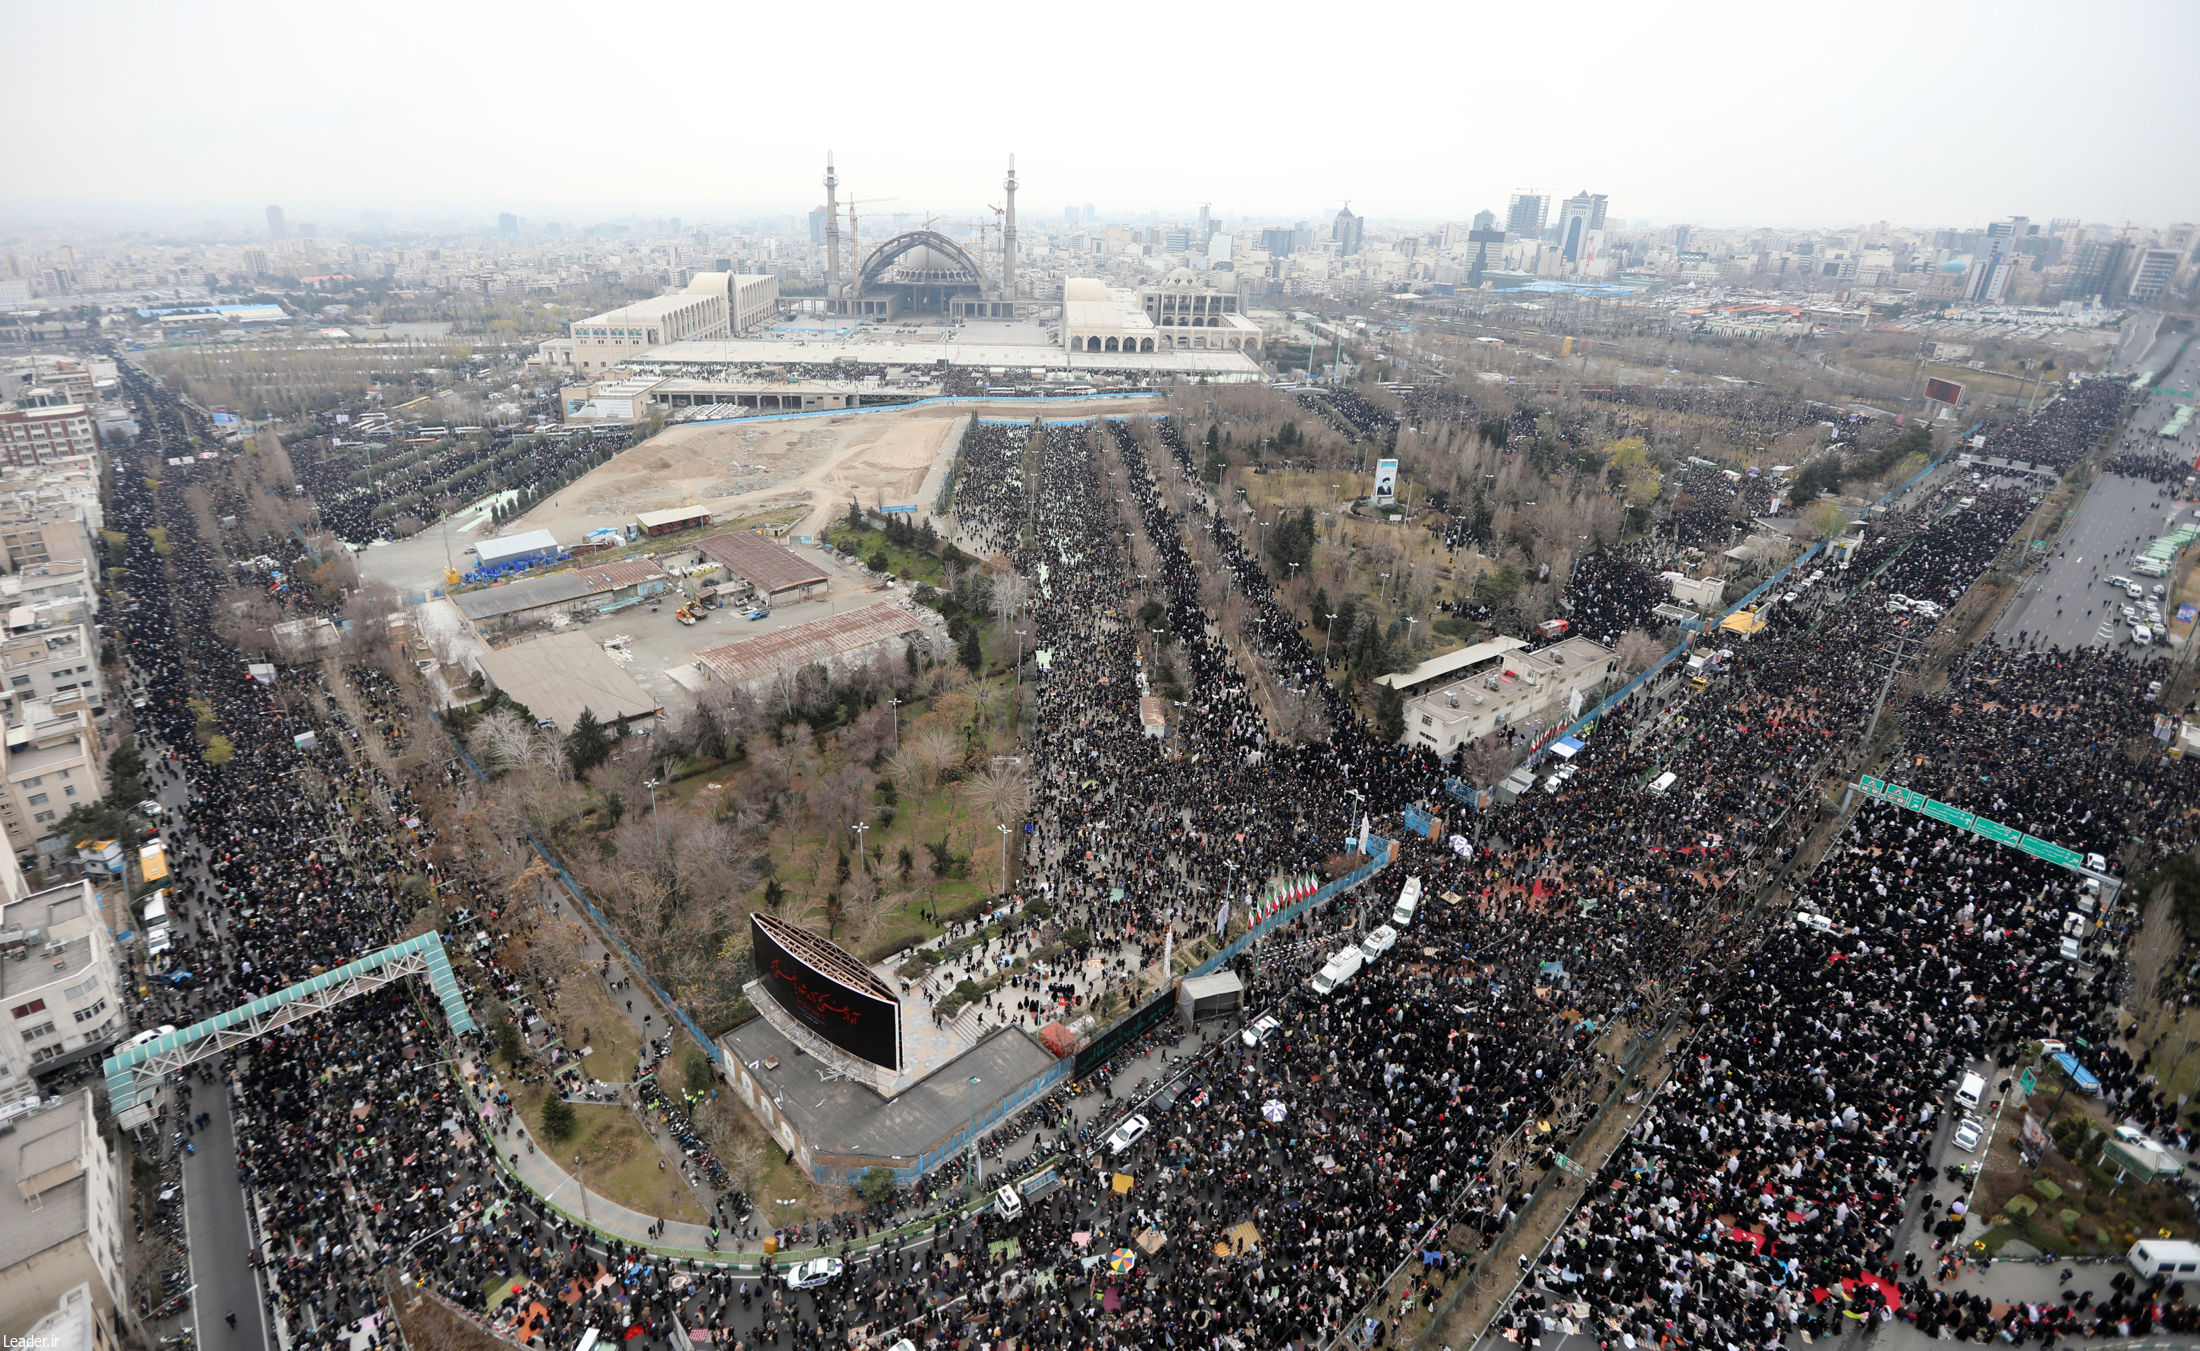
(2066, 603)
(218, 1237)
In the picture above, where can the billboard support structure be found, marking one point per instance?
(834, 1000)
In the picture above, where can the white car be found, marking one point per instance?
(2132, 1135)
(1968, 1134)
(151, 1034)
(1124, 1136)
(2141, 635)
(1260, 1029)
(815, 1272)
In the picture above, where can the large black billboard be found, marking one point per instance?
(827, 991)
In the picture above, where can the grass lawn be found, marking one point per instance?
(863, 543)
(619, 1159)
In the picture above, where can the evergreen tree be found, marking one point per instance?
(1390, 714)
(972, 653)
(589, 745)
(557, 1119)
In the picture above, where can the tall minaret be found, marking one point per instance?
(1008, 238)
(832, 234)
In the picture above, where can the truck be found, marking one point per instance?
(2169, 1259)
(1337, 971)
(1409, 901)
(1554, 629)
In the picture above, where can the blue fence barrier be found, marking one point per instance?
(1328, 893)
(1626, 690)
(1046, 1081)
(940, 401)
(611, 935)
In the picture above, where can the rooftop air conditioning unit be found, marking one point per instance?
(1451, 698)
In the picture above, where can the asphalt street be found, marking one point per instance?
(220, 1240)
(2067, 603)
(218, 1237)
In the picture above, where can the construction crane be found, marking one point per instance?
(855, 240)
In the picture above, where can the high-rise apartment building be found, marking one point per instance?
(2153, 274)
(507, 223)
(276, 228)
(1992, 264)
(1484, 220)
(1580, 220)
(1348, 231)
(1526, 214)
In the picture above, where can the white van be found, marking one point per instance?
(2072, 950)
(1409, 901)
(2172, 1259)
(1663, 784)
(156, 941)
(1378, 942)
(1340, 968)
(1008, 1203)
(1971, 1091)
(156, 909)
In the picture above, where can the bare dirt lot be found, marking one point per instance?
(876, 457)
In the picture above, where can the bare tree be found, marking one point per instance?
(1000, 791)
(2160, 939)
(502, 741)
(1637, 649)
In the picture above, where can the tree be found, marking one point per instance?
(876, 1185)
(1637, 649)
(1628, 469)
(1292, 541)
(2156, 946)
(557, 1119)
(1390, 714)
(588, 745)
(508, 1044)
(970, 652)
(1822, 519)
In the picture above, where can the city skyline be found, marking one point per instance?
(1875, 138)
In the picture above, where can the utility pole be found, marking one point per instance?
(1895, 661)
(859, 828)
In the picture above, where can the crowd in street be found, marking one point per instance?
(1760, 1192)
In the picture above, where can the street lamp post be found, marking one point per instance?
(859, 827)
(1329, 635)
(970, 1132)
(1002, 826)
(896, 704)
(652, 786)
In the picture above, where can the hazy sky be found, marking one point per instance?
(1918, 113)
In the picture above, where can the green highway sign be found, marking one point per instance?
(1971, 821)
(2026, 1080)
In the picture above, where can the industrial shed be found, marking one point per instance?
(836, 640)
(776, 573)
(673, 520)
(600, 587)
(559, 674)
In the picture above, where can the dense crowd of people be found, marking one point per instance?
(1762, 1191)
(361, 487)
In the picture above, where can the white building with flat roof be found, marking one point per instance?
(713, 305)
(1516, 688)
(60, 1218)
(60, 992)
